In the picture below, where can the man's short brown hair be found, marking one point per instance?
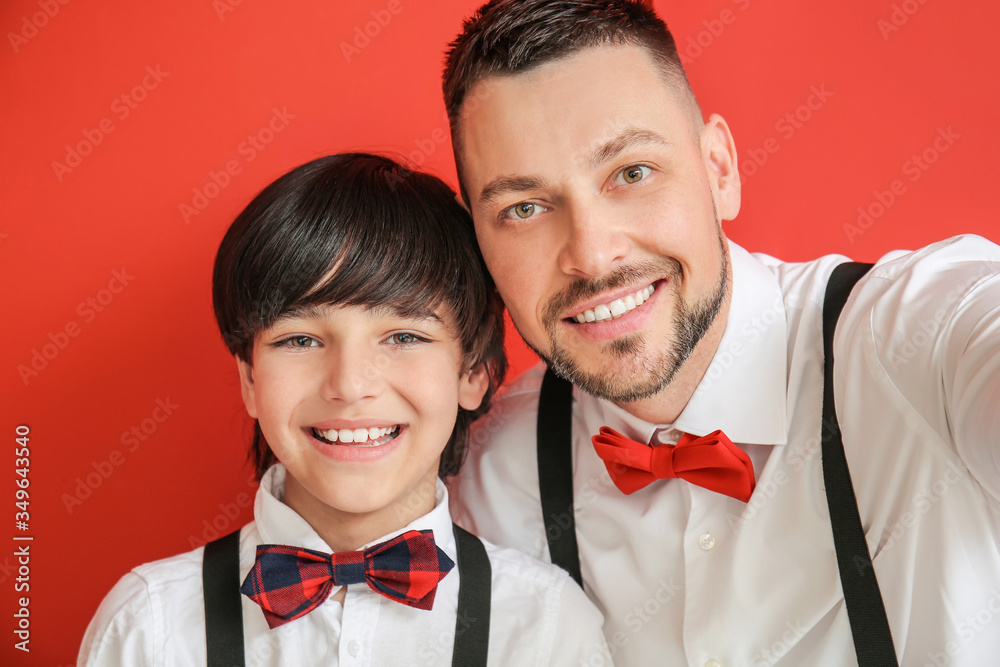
(506, 37)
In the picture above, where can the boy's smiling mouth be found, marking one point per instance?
(372, 436)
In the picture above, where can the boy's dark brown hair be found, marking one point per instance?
(506, 37)
(397, 238)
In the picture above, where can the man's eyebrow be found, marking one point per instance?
(629, 138)
(506, 185)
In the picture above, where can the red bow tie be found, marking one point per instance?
(712, 462)
(289, 582)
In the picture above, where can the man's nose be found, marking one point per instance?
(594, 243)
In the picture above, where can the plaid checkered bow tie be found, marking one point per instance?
(711, 461)
(289, 582)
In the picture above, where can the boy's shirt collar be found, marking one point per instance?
(277, 523)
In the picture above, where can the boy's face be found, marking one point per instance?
(391, 384)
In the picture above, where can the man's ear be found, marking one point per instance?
(719, 152)
(245, 371)
(472, 387)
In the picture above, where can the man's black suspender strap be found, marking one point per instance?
(865, 609)
(224, 603)
(472, 625)
(555, 471)
(220, 576)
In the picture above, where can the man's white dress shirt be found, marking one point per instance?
(685, 576)
(155, 614)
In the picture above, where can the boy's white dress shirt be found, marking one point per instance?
(685, 576)
(155, 614)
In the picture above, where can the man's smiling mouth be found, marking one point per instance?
(612, 311)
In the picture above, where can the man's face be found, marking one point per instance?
(597, 197)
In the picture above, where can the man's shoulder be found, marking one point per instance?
(963, 252)
(967, 254)
(523, 388)
(935, 279)
(524, 586)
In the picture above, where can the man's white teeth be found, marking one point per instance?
(356, 434)
(616, 308)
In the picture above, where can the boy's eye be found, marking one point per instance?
(632, 174)
(299, 341)
(521, 211)
(405, 338)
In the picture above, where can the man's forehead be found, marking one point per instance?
(598, 76)
(576, 111)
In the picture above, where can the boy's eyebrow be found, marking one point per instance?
(301, 313)
(318, 312)
(415, 313)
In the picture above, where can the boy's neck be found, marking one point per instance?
(349, 531)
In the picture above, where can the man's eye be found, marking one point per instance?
(522, 211)
(633, 173)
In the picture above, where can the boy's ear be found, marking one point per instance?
(246, 386)
(472, 387)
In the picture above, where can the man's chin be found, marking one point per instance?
(620, 373)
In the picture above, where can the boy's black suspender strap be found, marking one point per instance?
(555, 471)
(472, 623)
(220, 576)
(224, 603)
(865, 609)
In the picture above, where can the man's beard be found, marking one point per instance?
(636, 377)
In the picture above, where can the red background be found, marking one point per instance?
(224, 68)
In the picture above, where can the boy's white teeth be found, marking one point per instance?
(615, 309)
(356, 434)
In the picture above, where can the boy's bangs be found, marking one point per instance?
(375, 269)
(349, 230)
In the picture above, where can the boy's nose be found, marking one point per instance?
(353, 377)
